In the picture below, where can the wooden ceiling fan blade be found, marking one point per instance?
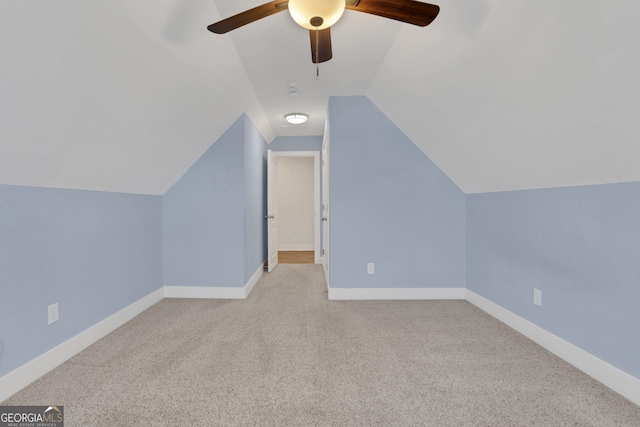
(409, 11)
(320, 45)
(248, 16)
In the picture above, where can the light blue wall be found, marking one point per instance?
(296, 143)
(255, 199)
(389, 204)
(214, 226)
(203, 217)
(94, 253)
(580, 246)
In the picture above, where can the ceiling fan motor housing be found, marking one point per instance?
(316, 21)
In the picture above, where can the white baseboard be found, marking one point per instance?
(612, 377)
(207, 292)
(21, 377)
(214, 292)
(326, 277)
(254, 279)
(395, 293)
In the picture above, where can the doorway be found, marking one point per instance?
(294, 196)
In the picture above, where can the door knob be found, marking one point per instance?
(324, 218)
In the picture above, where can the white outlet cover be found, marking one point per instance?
(371, 268)
(537, 297)
(53, 312)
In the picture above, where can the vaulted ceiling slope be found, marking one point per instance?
(520, 94)
(114, 96)
(502, 95)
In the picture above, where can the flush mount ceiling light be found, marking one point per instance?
(296, 118)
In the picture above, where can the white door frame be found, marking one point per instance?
(316, 194)
(272, 211)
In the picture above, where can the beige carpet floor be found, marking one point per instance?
(287, 356)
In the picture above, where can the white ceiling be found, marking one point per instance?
(125, 95)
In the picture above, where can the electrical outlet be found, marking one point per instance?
(371, 268)
(537, 297)
(54, 313)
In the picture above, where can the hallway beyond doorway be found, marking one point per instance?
(296, 257)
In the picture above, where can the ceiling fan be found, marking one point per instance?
(319, 15)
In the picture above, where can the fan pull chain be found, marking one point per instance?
(317, 53)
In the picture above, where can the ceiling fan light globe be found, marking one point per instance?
(302, 11)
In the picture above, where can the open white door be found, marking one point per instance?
(272, 208)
